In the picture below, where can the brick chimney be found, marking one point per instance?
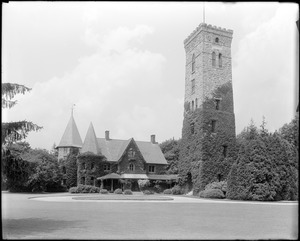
(107, 135)
(153, 139)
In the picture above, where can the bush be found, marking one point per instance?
(168, 191)
(157, 188)
(148, 192)
(217, 185)
(118, 191)
(87, 189)
(176, 190)
(103, 191)
(212, 193)
(127, 192)
(143, 184)
(73, 190)
(95, 189)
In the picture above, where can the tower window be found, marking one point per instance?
(193, 63)
(192, 105)
(220, 60)
(213, 59)
(193, 86)
(213, 126)
(217, 104)
(196, 103)
(217, 40)
(225, 150)
(192, 128)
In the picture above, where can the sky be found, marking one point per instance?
(122, 65)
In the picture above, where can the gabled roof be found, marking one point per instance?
(113, 150)
(90, 142)
(71, 137)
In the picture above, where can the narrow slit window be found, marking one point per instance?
(192, 128)
(193, 63)
(192, 105)
(196, 103)
(225, 148)
(213, 59)
(193, 86)
(213, 126)
(217, 104)
(220, 60)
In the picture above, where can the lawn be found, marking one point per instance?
(32, 219)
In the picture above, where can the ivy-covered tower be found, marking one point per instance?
(208, 133)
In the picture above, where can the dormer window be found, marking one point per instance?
(151, 169)
(131, 167)
(106, 167)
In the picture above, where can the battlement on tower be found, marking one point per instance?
(209, 28)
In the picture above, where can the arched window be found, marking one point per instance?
(220, 60)
(131, 167)
(217, 40)
(213, 59)
(193, 63)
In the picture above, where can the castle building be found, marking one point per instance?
(108, 162)
(208, 133)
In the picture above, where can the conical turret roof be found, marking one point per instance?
(90, 142)
(71, 137)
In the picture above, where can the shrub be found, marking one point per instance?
(168, 191)
(148, 192)
(95, 189)
(103, 191)
(87, 188)
(143, 184)
(217, 185)
(212, 193)
(158, 188)
(80, 188)
(127, 192)
(176, 190)
(118, 191)
(73, 190)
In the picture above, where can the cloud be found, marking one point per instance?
(114, 88)
(264, 74)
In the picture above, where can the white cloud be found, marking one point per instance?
(111, 89)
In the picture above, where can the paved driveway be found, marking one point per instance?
(58, 216)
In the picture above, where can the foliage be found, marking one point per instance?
(170, 149)
(266, 169)
(212, 193)
(176, 190)
(202, 158)
(143, 184)
(103, 191)
(167, 191)
(84, 189)
(217, 185)
(127, 192)
(47, 175)
(290, 132)
(9, 91)
(70, 163)
(118, 191)
(148, 192)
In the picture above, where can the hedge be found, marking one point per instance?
(118, 191)
(84, 189)
(212, 193)
(127, 192)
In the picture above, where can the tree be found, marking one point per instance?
(14, 131)
(170, 149)
(290, 132)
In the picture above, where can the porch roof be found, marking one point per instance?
(163, 177)
(109, 176)
(134, 176)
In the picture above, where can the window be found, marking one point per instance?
(151, 168)
(64, 170)
(217, 40)
(92, 165)
(213, 59)
(193, 86)
(106, 167)
(131, 167)
(225, 150)
(131, 153)
(192, 128)
(220, 60)
(213, 126)
(83, 165)
(196, 103)
(83, 180)
(217, 104)
(193, 63)
(192, 105)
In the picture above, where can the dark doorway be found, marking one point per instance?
(189, 181)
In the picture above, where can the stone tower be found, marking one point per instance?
(208, 133)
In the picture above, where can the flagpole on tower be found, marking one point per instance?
(203, 12)
(72, 108)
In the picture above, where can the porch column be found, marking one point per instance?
(112, 182)
(101, 185)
